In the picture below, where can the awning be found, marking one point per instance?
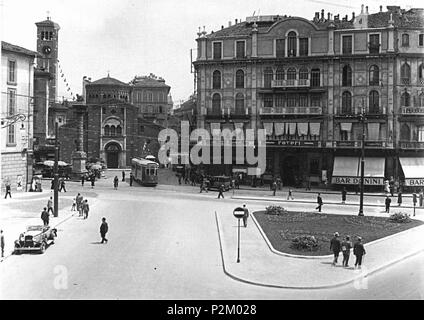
(346, 126)
(302, 128)
(374, 167)
(315, 128)
(413, 169)
(346, 170)
(279, 128)
(292, 128)
(268, 126)
(346, 167)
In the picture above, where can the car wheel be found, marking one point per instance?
(43, 247)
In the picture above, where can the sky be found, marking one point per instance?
(138, 37)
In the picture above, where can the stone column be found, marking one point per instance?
(79, 157)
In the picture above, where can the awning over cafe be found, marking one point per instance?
(347, 170)
(413, 169)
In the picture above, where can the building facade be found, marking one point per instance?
(17, 85)
(307, 81)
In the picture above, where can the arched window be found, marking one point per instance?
(303, 74)
(405, 73)
(291, 76)
(374, 104)
(405, 40)
(107, 130)
(374, 75)
(268, 75)
(405, 133)
(292, 44)
(346, 103)
(239, 79)
(405, 100)
(113, 131)
(240, 104)
(119, 131)
(279, 74)
(216, 80)
(216, 104)
(347, 76)
(315, 78)
(421, 73)
(421, 98)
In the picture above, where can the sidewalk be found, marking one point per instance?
(261, 265)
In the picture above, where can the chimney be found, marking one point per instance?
(366, 10)
(381, 8)
(353, 16)
(328, 16)
(337, 17)
(236, 21)
(322, 14)
(229, 23)
(362, 9)
(222, 27)
(316, 18)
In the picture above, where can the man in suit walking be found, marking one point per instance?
(104, 228)
(221, 191)
(359, 252)
(387, 202)
(246, 215)
(319, 201)
(335, 246)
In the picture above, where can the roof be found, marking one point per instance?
(108, 81)
(48, 23)
(148, 82)
(144, 161)
(16, 49)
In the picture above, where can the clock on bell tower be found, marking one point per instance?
(47, 47)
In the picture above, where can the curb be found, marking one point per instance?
(340, 284)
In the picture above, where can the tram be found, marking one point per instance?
(145, 172)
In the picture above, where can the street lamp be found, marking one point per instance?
(361, 195)
(238, 213)
(56, 172)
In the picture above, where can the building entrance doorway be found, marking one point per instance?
(290, 171)
(113, 151)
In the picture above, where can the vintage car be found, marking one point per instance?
(216, 181)
(35, 238)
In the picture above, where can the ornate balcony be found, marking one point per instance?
(414, 145)
(358, 143)
(412, 111)
(290, 110)
(291, 83)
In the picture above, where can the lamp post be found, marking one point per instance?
(56, 172)
(238, 213)
(361, 185)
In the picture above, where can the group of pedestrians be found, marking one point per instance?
(81, 205)
(337, 246)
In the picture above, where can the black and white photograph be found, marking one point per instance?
(212, 154)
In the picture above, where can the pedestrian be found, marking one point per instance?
(335, 247)
(359, 252)
(45, 217)
(245, 216)
(346, 246)
(79, 199)
(179, 179)
(74, 204)
(320, 203)
(50, 205)
(115, 183)
(92, 179)
(392, 189)
(221, 191)
(123, 176)
(52, 185)
(344, 193)
(85, 208)
(62, 185)
(279, 183)
(104, 228)
(274, 187)
(400, 198)
(203, 187)
(387, 202)
(131, 179)
(82, 180)
(290, 194)
(414, 200)
(421, 197)
(2, 243)
(8, 189)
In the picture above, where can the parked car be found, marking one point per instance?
(35, 238)
(216, 181)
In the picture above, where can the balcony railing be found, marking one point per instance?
(290, 110)
(412, 145)
(358, 144)
(412, 110)
(290, 83)
(228, 113)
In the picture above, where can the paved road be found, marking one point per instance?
(163, 245)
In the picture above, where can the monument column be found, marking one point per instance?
(79, 157)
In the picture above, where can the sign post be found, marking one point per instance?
(238, 213)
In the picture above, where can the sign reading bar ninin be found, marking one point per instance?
(414, 182)
(357, 180)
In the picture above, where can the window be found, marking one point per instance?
(11, 135)
(11, 107)
(421, 99)
(12, 71)
(347, 44)
(421, 40)
(405, 99)
(374, 75)
(240, 50)
(303, 74)
(268, 101)
(239, 79)
(421, 73)
(347, 76)
(405, 74)
(279, 100)
(315, 100)
(291, 76)
(240, 104)
(216, 104)
(150, 96)
(346, 103)
(280, 49)
(292, 44)
(405, 133)
(107, 130)
(374, 104)
(374, 45)
(141, 129)
(291, 100)
(314, 165)
(303, 47)
(217, 50)
(113, 131)
(268, 75)
(216, 81)
(279, 74)
(420, 131)
(405, 40)
(303, 100)
(344, 135)
(119, 131)
(315, 78)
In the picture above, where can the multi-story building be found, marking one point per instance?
(307, 81)
(17, 85)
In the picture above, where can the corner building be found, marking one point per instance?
(306, 82)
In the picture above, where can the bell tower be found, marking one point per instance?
(47, 47)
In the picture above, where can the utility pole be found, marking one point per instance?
(56, 172)
(361, 186)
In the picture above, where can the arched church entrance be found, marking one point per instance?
(113, 151)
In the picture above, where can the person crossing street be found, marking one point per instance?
(104, 228)
(245, 216)
(221, 191)
(320, 203)
(8, 189)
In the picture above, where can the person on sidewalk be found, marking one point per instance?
(8, 189)
(400, 198)
(274, 188)
(346, 246)
(421, 197)
(221, 191)
(344, 193)
(62, 185)
(74, 204)
(290, 194)
(320, 203)
(50, 205)
(387, 202)
(2, 243)
(123, 176)
(85, 208)
(203, 186)
(115, 183)
(335, 247)
(359, 252)
(131, 179)
(93, 180)
(82, 180)
(79, 200)
(45, 217)
(245, 216)
(104, 228)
